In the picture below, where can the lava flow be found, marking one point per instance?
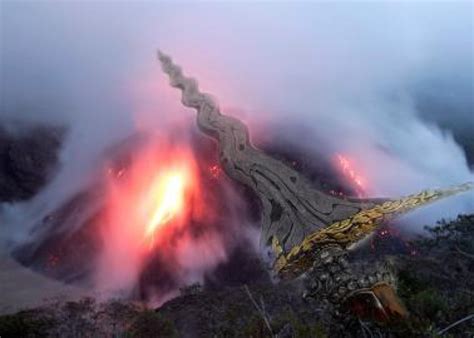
(146, 204)
(166, 198)
(348, 171)
(155, 189)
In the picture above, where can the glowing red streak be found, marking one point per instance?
(152, 207)
(148, 201)
(167, 195)
(347, 169)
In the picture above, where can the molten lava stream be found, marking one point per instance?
(347, 169)
(166, 199)
(146, 204)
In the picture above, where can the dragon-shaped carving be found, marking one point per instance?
(304, 226)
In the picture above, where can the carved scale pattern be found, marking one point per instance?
(348, 231)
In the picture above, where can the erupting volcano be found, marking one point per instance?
(273, 177)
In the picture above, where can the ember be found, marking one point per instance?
(390, 240)
(215, 171)
(53, 261)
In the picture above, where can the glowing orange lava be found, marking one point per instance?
(149, 199)
(347, 168)
(155, 202)
(166, 200)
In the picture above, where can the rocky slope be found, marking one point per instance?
(436, 285)
(28, 157)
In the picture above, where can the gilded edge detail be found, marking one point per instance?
(348, 231)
